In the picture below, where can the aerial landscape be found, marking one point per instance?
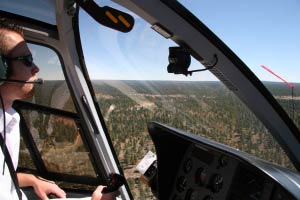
(203, 108)
(206, 109)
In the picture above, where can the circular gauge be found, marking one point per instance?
(223, 161)
(181, 184)
(192, 194)
(188, 165)
(200, 176)
(217, 183)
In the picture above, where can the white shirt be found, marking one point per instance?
(7, 187)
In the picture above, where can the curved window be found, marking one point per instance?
(270, 48)
(57, 139)
(54, 91)
(52, 135)
(132, 86)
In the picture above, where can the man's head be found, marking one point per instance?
(18, 60)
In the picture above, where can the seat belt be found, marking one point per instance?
(10, 166)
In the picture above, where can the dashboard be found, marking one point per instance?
(191, 167)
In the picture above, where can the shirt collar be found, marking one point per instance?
(11, 118)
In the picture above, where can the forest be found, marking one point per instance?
(207, 109)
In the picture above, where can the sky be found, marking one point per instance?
(259, 32)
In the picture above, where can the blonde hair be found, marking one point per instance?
(6, 26)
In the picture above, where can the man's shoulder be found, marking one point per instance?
(11, 111)
(10, 114)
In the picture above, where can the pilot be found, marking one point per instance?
(16, 63)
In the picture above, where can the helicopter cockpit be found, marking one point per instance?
(124, 78)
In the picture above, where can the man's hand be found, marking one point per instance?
(98, 195)
(42, 187)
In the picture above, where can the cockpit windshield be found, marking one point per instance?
(132, 86)
(265, 36)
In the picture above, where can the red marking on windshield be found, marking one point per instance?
(289, 84)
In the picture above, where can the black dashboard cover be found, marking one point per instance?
(172, 146)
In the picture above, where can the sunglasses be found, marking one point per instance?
(26, 60)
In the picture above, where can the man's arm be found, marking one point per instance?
(41, 186)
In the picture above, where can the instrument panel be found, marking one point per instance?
(207, 174)
(203, 174)
(194, 168)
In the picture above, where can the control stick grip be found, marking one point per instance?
(114, 182)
